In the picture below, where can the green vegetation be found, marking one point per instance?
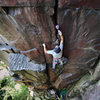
(9, 90)
(2, 64)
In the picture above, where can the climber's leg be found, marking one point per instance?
(60, 62)
(65, 60)
(54, 64)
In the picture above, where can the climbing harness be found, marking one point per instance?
(62, 59)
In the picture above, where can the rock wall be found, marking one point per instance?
(79, 3)
(81, 32)
(27, 24)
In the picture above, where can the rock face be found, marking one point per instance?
(31, 23)
(93, 93)
(81, 32)
(27, 33)
(27, 3)
(87, 88)
(79, 3)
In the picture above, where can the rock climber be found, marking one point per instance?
(57, 51)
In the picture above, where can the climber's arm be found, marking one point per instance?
(44, 47)
(61, 36)
(47, 51)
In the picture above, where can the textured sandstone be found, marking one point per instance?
(27, 2)
(79, 3)
(32, 23)
(82, 39)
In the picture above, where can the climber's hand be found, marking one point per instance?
(57, 27)
(43, 44)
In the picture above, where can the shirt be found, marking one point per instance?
(54, 54)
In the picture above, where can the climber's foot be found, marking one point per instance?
(65, 60)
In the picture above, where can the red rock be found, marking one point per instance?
(29, 27)
(26, 2)
(31, 31)
(79, 3)
(81, 34)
